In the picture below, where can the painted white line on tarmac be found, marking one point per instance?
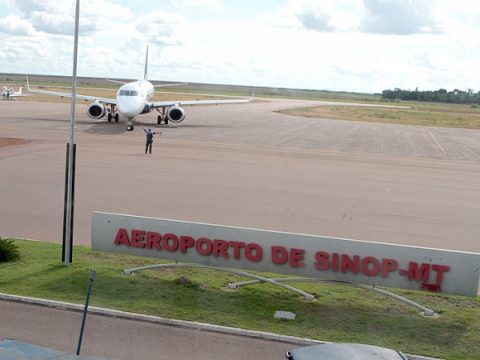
(436, 142)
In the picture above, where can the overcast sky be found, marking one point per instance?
(346, 45)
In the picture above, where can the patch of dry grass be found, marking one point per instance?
(438, 115)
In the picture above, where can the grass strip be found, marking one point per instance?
(339, 313)
(437, 115)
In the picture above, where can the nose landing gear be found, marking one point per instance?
(129, 126)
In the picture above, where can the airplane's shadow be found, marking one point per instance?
(106, 129)
(175, 126)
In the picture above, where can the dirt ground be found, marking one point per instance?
(10, 142)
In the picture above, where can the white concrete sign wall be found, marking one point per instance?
(354, 261)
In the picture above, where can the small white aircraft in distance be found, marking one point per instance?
(133, 98)
(8, 93)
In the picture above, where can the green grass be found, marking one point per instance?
(425, 114)
(339, 313)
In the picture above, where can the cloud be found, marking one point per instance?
(324, 16)
(104, 9)
(198, 3)
(60, 24)
(14, 25)
(400, 17)
(58, 17)
(328, 44)
(315, 20)
(161, 28)
(35, 54)
(29, 6)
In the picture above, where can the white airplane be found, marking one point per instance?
(133, 99)
(10, 92)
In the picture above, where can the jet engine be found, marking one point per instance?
(176, 114)
(96, 110)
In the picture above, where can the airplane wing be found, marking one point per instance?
(78, 96)
(159, 104)
(69, 95)
(166, 85)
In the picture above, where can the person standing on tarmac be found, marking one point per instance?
(149, 139)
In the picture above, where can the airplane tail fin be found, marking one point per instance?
(146, 66)
(28, 84)
(20, 90)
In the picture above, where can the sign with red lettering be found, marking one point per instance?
(287, 253)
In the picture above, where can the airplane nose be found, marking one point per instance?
(130, 107)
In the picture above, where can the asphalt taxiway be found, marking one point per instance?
(245, 165)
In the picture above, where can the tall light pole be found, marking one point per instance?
(71, 151)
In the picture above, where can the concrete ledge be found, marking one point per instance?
(160, 320)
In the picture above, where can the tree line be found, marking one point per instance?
(456, 96)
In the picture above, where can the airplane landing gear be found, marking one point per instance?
(112, 114)
(129, 126)
(162, 118)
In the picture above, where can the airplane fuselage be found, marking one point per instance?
(11, 92)
(134, 98)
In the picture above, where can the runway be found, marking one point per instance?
(245, 165)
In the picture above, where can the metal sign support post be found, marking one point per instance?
(89, 291)
(68, 216)
(68, 254)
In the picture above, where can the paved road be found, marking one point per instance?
(244, 165)
(119, 338)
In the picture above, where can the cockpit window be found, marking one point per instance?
(128, 93)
